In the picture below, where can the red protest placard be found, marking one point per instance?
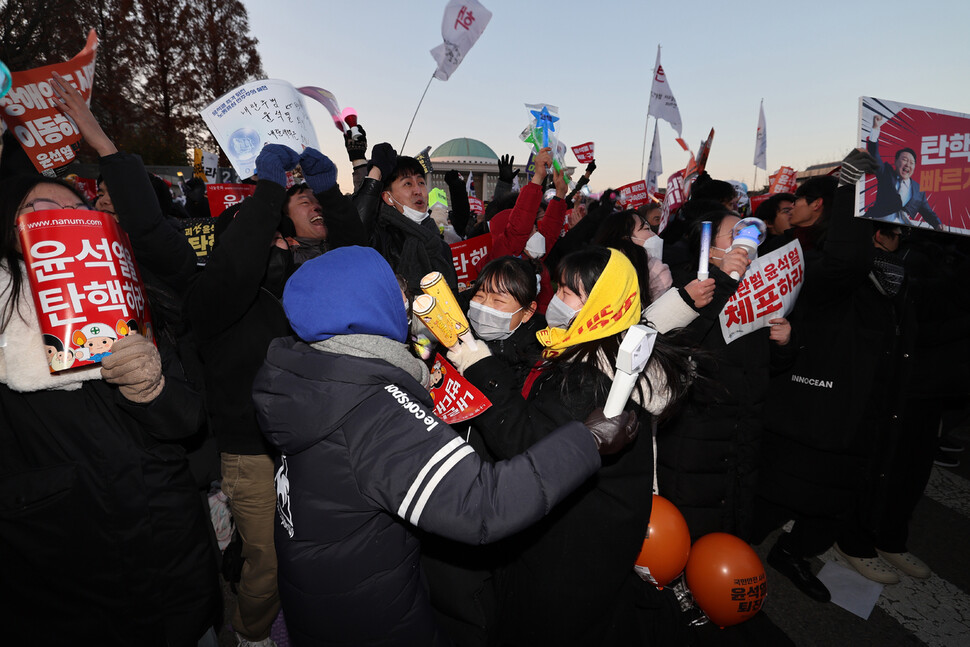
(673, 198)
(49, 138)
(476, 205)
(223, 196)
(455, 399)
(85, 284)
(635, 194)
(467, 255)
(784, 180)
(923, 179)
(584, 153)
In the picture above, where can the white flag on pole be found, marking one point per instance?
(464, 22)
(663, 105)
(655, 168)
(761, 141)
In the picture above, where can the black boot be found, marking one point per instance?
(798, 571)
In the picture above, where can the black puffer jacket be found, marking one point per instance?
(362, 460)
(708, 456)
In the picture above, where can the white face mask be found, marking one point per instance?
(653, 246)
(536, 245)
(412, 214)
(491, 324)
(558, 314)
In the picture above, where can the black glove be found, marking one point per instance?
(356, 148)
(590, 167)
(453, 177)
(505, 172)
(384, 157)
(612, 434)
(854, 165)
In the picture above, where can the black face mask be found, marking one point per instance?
(278, 269)
(888, 272)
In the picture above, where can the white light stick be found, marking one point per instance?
(702, 272)
(631, 359)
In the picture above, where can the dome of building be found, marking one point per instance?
(464, 150)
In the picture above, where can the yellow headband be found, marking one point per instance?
(612, 306)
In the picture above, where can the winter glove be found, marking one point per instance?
(462, 355)
(320, 173)
(612, 434)
(136, 367)
(855, 164)
(274, 161)
(590, 168)
(505, 172)
(384, 157)
(356, 147)
(453, 177)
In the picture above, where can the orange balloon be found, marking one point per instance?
(667, 544)
(726, 578)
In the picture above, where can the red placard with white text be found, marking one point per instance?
(48, 136)
(223, 196)
(584, 153)
(675, 196)
(635, 194)
(455, 399)
(784, 180)
(467, 256)
(927, 148)
(768, 290)
(85, 284)
(476, 206)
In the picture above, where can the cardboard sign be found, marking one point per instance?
(923, 178)
(584, 152)
(200, 232)
(205, 166)
(223, 196)
(455, 398)
(467, 256)
(255, 114)
(635, 194)
(47, 135)
(85, 284)
(768, 290)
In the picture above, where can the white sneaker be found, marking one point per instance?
(908, 563)
(871, 568)
(265, 642)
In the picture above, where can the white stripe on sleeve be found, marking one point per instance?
(433, 483)
(416, 484)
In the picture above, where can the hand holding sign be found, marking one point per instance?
(71, 103)
(780, 331)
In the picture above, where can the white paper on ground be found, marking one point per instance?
(850, 590)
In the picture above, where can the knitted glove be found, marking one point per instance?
(320, 173)
(505, 172)
(856, 164)
(356, 147)
(136, 367)
(384, 157)
(462, 355)
(590, 167)
(274, 161)
(612, 434)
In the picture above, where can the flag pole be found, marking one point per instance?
(646, 128)
(401, 150)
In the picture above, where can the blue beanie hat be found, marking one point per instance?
(347, 291)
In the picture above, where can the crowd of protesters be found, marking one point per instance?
(368, 520)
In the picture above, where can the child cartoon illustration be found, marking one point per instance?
(95, 340)
(57, 357)
(438, 373)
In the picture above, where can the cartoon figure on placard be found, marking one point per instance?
(438, 373)
(57, 357)
(94, 341)
(244, 144)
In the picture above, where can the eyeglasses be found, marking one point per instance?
(42, 204)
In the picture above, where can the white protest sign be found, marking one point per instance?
(255, 114)
(768, 290)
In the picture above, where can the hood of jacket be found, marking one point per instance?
(303, 395)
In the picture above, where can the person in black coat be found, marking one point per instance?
(234, 310)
